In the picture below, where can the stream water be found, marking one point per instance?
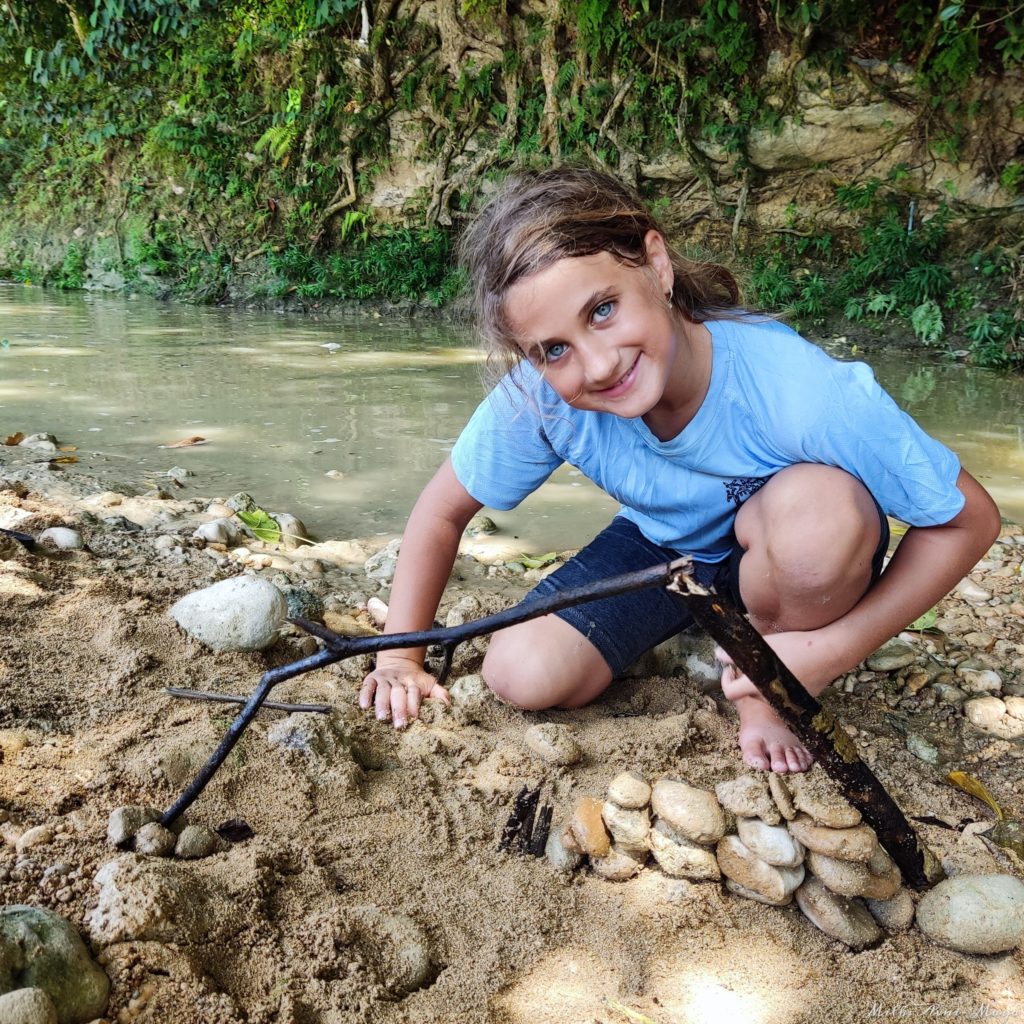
(283, 401)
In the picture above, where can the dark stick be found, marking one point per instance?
(230, 698)
(817, 729)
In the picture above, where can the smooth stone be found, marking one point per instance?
(218, 531)
(629, 828)
(681, 858)
(782, 796)
(27, 1006)
(39, 442)
(293, 531)
(774, 844)
(748, 894)
(884, 878)
(857, 843)
(895, 654)
(155, 840)
(814, 794)
(62, 538)
(41, 835)
(743, 866)
(125, 822)
(629, 790)
(1015, 706)
(971, 592)
(981, 681)
(559, 856)
(895, 914)
(839, 917)
(615, 866)
(196, 842)
(845, 877)
(242, 502)
(990, 715)
(748, 797)
(923, 749)
(947, 693)
(239, 614)
(693, 813)
(165, 543)
(480, 526)
(378, 611)
(974, 913)
(553, 743)
(588, 827)
(464, 610)
(40, 949)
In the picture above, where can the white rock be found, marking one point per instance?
(293, 531)
(815, 794)
(782, 797)
(39, 442)
(559, 856)
(217, 531)
(971, 592)
(1015, 707)
(378, 611)
(553, 743)
(857, 843)
(748, 894)
(616, 866)
(381, 566)
(62, 538)
(990, 715)
(239, 614)
(895, 914)
(125, 822)
(838, 916)
(629, 828)
(774, 844)
(27, 1006)
(629, 790)
(981, 681)
(743, 866)
(680, 858)
(693, 813)
(748, 797)
(974, 913)
(41, 835)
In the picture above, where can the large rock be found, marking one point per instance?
(749, 871)
(680, 858)
(240, 614)
(693, 813)
(974, 913)
(838, 916)
(774, 844)
(40, 949)
(748, 797)
(857, 843)
(27, 1006)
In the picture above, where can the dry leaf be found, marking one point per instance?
(69, 447)
(15, 439)
(188, 442)
(64, 460)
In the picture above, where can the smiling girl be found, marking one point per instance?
(724, 436)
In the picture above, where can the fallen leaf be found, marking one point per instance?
(69, 447)
(263, 524)
(1007, 832)
(925, 622)
(188, 442)
(536, 561)
(64, 460)
(15, 439)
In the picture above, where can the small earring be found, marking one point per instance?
(668, 298)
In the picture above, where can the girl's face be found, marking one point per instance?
(601, 331)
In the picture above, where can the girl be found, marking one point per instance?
(724, 435)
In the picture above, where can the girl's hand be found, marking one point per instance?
(396, 688)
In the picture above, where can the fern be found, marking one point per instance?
(277, 140)
(926, 320)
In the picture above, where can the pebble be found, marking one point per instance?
(293, 531)
(774, 844)
(629, 828)
(125, 822)
(587, 827)
(742, 866)
(27, 1006)
(218, 531)
(378, 611)
(949, 694)
(782, 796)
(616, 866)
(895, 914)
(50, 955)
(62, 538)
(693, 813)
(41, 835)
(748, 894)
(381, 566)
(891, 656)
(814, 794)
(680, 858)
(974, 913)
(748, 797)
(990, 715)
(922, 749)
(39, 442)
(983, 681)
(155, 840)
(239, 614)
(856, 843)
(845, 877)
(480, 526)
(839, 917)
(553, 743)
(165, 543)
(559, 856)
(629, 790)
(972, 593)
(302, 603)
(198, 841)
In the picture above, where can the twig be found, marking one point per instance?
(230, 698)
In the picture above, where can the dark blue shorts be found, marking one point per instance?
(622, 628)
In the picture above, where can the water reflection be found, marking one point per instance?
(284, 400)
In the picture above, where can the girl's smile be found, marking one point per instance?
(606, 339)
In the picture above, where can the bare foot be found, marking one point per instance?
(765, 742)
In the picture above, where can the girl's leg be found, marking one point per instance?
(810, 535)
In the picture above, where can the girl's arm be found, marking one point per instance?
(927, 565)
(429, 546)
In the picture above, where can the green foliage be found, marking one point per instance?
(263, 525)
(926, 319)
(72, 271)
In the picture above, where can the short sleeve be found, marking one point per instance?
(861, 429)
(503, 454)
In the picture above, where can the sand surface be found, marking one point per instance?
(370, 839)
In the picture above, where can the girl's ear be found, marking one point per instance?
(659, 260)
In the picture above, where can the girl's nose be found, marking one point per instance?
(600, 364)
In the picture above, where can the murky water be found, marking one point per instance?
(377, 404)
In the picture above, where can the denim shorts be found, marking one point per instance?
(622, 628)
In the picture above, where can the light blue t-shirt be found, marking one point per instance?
(774, 400)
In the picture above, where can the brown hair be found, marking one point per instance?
(540, 217)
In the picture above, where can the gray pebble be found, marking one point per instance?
(125, 822)
(27, 1006)
(197, 841)
(155, 840)
(553, 743)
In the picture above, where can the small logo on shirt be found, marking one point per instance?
(739, 490)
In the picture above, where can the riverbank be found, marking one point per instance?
(355, 820)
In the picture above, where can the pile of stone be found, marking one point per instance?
(794, 840)
(139, 829)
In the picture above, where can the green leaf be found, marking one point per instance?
(950, 12)
(925, 622)
(536, 561)
(263, 524)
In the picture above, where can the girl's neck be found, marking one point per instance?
(688, 382)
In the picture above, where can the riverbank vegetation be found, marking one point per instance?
(328, 149)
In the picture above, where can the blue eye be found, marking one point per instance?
(603, 311)
(555, 351)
